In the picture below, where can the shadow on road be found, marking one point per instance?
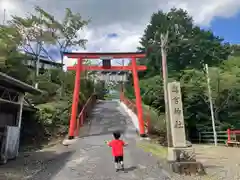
(129, 169)
(34, 166)
(100, 134)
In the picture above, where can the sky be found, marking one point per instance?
(117, 25)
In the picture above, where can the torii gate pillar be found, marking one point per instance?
(138, 97)
(75, 99)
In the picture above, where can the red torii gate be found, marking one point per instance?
(79, 67)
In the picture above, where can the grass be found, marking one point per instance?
(155, 149)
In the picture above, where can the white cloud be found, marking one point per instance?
(205, 11)
(126, 40)
(125, 18)
(98, 40)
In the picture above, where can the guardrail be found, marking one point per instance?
(131, 105)
(85, 111)
(208, 137)
(229, 137)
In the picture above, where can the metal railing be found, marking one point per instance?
(132, 105)
(208, 137)
(85, 112)
(223, 137)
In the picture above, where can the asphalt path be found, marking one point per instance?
(90, 159)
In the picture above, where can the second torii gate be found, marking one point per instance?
(106, 57)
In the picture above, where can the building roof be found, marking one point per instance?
(10, 82)
(11, 104)
(44, 59)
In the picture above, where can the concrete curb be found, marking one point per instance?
(131, 114)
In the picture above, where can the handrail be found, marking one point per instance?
(84, 112)
(131, 105)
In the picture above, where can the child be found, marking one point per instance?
(117, 150)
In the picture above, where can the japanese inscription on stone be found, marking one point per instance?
(176, 115)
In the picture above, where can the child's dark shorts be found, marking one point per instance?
(118, 159)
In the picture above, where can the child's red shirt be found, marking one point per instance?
(117, 147)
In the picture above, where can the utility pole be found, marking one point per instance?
(211, 105)
(164, 41)
(39, 48)
(4, 16)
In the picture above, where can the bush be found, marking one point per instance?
(157, 129)
(157, 122)
(54, 116)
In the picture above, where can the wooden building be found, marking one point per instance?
(12, 103)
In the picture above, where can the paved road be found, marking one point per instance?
(91, 159)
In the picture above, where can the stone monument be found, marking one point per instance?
(181, 158)
(176, 115)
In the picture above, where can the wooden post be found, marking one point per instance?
(20, 100)
(164, 40)
(19, 118)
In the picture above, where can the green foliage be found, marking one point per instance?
(188, 45)
(12, 63)
(9, 40)
(54, 104)
(54, 113)
(235, 50)
(32, 29)
(54, 107)
(66, 32)
(39, 27)
(157, 121)
(151, 88)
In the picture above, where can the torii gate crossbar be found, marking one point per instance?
(79, 67)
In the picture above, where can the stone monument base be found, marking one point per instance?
(187, 168)
(183, 161)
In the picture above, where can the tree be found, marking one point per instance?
(224, 85)
(188, 47)
(33, 36)
(10, 59)
(33, 33)
(235, 50)
(53, 106)
(67, 32)
(9, 41)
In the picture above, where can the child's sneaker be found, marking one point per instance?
(117, 167)
(122, 167)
